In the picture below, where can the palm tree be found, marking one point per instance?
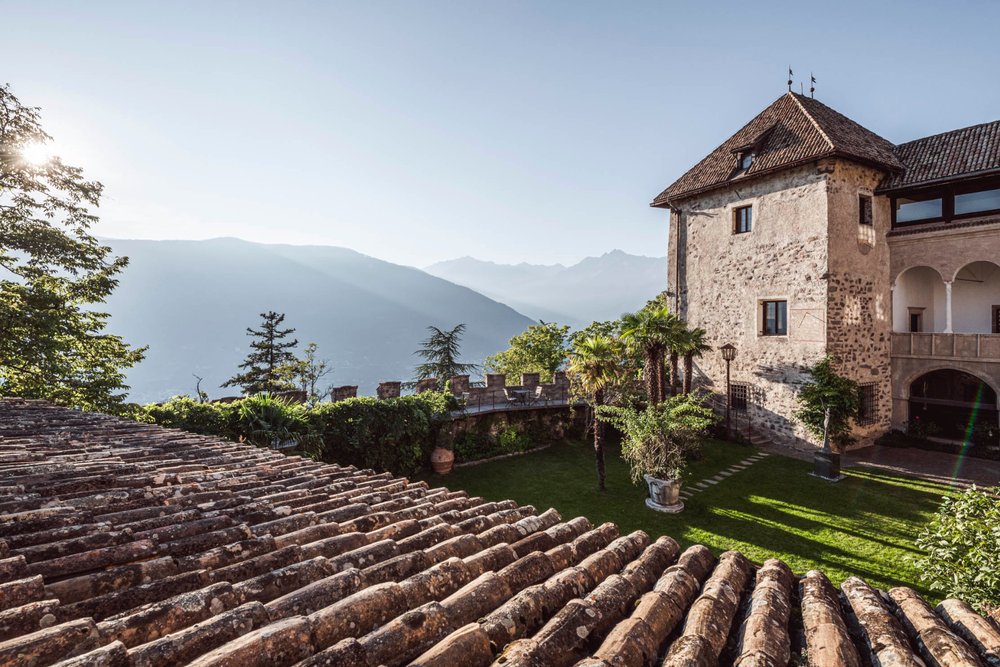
(652, 330)
(691, 344)
(594, 366)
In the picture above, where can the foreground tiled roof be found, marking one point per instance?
(793, 130)
(128, 544)
(970, 150)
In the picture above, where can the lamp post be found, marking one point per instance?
(728, 354)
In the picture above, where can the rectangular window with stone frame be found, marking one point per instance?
(774, 318)
(864, 210)
(742, 219)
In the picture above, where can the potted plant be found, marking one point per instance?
(658, 441)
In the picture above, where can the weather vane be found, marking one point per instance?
(789, 78)
(812, 85)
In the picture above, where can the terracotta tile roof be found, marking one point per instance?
(970, 150)
(793, 130)
(125, 544)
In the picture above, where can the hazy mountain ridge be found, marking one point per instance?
(596, 288)
(191, 302)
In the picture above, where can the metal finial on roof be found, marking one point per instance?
(812, 85)
(789, 78)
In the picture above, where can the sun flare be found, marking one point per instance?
(36, 153)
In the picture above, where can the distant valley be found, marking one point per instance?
(191, 302)
(596, 288)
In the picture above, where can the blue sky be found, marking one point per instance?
(421, 131)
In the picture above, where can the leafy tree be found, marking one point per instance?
(267, 368)
(828, 391)
(691, 343)
(608, 328)
(962, 545)
(539, 349)
(53, 344)
(594, 367)
(308, 371)
(652, 330)
(440, 352)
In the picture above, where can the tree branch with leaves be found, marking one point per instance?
(53, 342)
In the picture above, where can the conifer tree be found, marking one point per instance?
(269, 365)
(440, 353)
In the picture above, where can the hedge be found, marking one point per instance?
(397, 434)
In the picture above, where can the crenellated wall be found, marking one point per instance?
(493, 390)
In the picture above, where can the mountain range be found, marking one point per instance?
(191, 302)
(596, 288)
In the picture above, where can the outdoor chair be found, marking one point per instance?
(511, 398)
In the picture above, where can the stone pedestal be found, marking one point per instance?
(664, 495)
(826, 465)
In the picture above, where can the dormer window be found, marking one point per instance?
(746, 159)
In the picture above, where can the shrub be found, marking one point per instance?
(659, 440)
(185, 413)
(397, 434)
(482, 444)
(267, 421)
(962, 542)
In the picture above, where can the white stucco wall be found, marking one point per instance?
(919, 287)
(972, 301)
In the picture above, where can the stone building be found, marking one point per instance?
(805, 234)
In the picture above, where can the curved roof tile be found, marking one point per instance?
(127, 544)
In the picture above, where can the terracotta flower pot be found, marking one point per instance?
(442, 460)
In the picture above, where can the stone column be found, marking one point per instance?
(947, 307)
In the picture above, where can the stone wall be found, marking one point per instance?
(495, 388)
(859, 305)
(720, 279)
(541, 427)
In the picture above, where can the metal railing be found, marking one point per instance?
(517, 399)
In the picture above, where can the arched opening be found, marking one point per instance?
(975, 299)
(918, 301)
(952, 404)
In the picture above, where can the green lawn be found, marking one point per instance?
(864, 525)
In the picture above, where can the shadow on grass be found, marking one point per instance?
(864, 525)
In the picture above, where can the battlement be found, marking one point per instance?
(492, 390)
